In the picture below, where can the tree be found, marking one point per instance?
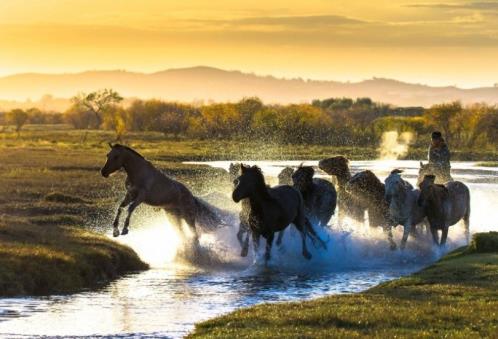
(18, 118)
(96, 103)
(442, 116)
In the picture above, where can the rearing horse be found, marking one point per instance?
(146, 184)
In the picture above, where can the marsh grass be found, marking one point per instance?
(457, 297)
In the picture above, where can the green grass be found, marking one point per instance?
(488, 164)
(457, 297)
(40, 260)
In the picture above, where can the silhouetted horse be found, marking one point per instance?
(146, 184)
(403, 208)
(319, 195)
(244, 231)
(348, 205)
(272, 209)
(445, 205)
(368, 189)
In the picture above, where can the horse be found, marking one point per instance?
(272, 209)
(319, 195)
(445, 205)
(285, 176)
(244, 231)
(429, 169)
(146, 184)
(338, 166)
(403, 208)
(370, 191)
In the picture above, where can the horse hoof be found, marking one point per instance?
(307, 255)
(115, 233)
(393, 247)
(124, 231)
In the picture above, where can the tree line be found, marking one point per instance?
(334, 121)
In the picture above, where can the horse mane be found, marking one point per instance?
(128, 149)
(309, 171)
(396, 171)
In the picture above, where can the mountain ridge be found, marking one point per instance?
(205, 83)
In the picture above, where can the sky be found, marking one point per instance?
(430, 42)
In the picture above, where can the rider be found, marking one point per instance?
(439, 156)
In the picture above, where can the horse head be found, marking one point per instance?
(430, 191)
(250, 181)
(337, 166)
(303, 177)
(395, 186)
(285, 176)
(115, 160)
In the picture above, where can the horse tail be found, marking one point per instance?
(206, 216)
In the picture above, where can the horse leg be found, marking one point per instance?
(466, 220)
(389, 231)
(407, 228)
(312, 234)
(240, 234)
(245, 246)
(269, 243)
(444, 235)
(255, 242)
(126, 201)
(435, 235)
(280, 237)
(138, 200)
(190, 220)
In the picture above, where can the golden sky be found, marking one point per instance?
(433, 42)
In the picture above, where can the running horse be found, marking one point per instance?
(146, 184)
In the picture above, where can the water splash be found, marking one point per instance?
(394, 146)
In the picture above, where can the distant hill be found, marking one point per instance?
(206, 83)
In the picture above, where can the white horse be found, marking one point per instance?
(403, 208)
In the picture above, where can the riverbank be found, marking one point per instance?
(42, 260)
(455, 297)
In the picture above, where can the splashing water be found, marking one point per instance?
(394, 145)
(171, 297)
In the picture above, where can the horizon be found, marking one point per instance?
(254, 73)
(439, 44)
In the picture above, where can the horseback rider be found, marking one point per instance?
(439, 157)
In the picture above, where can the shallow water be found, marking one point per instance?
(169, 299)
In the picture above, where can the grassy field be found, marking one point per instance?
(457, 297)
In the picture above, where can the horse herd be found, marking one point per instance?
(299, 199)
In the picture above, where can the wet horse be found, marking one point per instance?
(370, 191)
(244, 231)
(349, 205)
(445, 205)
(272, 209)
(403, 208)
(319, 195)
(146, 184)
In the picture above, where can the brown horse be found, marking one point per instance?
(348, 204)
(370, 191)
(146, 184)
(445, 205)
(272, 209)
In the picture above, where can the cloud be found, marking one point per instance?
(314, 20)
(484, 6)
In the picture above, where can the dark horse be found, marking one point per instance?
(370, 191)
(445, 205)
(244, 231)
(146, 184)
(319, 195)
(272, 209)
